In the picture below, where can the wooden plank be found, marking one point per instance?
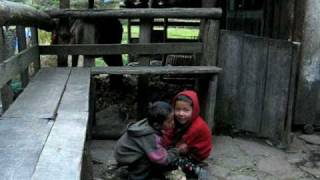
(211, 13)
(209, 38)
(2, 46)
(41, 97)
(229, 58)
(12, 66)
(157, 70)
(67, 146)
(276, 93)
(252, 83)
(133, 49)
(66, 142)
(210, 101)
(296, 46)
(21, 142)
(76, 95)
(22, 45)
(13, 13)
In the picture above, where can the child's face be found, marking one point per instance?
(168, 123)
(183, 112)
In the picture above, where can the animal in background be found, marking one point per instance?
(97, 31)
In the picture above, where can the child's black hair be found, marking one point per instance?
(184, 98)
(158, 112)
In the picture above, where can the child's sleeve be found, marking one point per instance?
(167, 136)
(157, 154)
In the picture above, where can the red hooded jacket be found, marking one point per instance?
(197, 135)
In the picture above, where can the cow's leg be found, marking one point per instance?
(88, 37)
(75, 60)
(114, 60)
(88, 61)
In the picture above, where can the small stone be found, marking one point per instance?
(312, 139)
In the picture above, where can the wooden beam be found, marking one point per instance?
(15, 64)
(12, 13)
(134, 49)
(204, 70)
(211, 13)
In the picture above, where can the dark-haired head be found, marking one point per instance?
(159, 112)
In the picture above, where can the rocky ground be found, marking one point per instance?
(238, 159)
(233, 158)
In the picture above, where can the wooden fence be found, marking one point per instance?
(256, 88)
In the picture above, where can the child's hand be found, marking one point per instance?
(182, 148)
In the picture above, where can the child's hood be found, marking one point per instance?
(194, 98)
(140, 128)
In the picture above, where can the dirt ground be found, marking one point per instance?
(232, 158)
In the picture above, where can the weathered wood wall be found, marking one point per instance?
(254, 87)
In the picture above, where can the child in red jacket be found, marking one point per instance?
(191, 134)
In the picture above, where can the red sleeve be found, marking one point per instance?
(198, 138)
(167, 136)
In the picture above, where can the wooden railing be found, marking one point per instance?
(18, 14)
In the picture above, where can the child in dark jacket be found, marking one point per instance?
(191, 134)
(140, 147)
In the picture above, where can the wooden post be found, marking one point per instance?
(292, 93)
(144, 37)
(22, 44)
(63, 29)
(209, 37)
(35, 42)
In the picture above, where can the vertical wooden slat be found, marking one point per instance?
(22, 44)
(144, 37)
(209, 38)
(230, 51)
(62, 30)
(252, 82)
(292, 93)
(35, 42)
(276, 89)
